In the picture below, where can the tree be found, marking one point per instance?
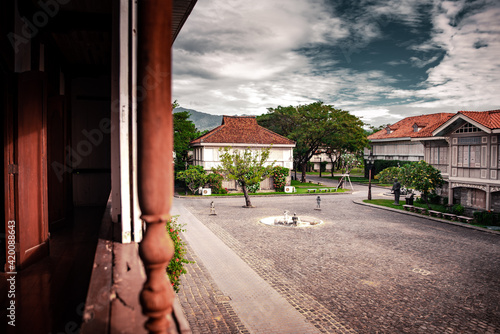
(347, 138)
(194, 177)
(184, 132)
(374, 129)
(307, 125)
(314, 127)
(247, 167)
(420, 176)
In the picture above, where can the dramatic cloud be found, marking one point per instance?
(381, 60)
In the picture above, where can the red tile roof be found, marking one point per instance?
(242, 130)
(404, 128)
(490, 119)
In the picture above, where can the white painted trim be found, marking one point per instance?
(124, 122)
(243, 145)
(390, 139)
(474, 181)
(428, 138)
(136, 210)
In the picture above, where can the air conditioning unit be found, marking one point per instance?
(206, 191)
(289, 189)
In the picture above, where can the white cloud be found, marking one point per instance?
(242, 57)
(467, 77)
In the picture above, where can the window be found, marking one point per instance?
(439, 155)
(469, 156)
(466, 128)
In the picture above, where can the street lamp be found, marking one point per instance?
(369, 162)
(185, 184)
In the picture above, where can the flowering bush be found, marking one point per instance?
(214, 181)
(176, 266)
(279, 175)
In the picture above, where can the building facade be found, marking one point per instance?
(471, 148)
(242, 132)
(400, 141)
(463, 146)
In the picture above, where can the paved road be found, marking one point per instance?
(372, 271)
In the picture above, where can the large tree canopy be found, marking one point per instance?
(348, 137)
(313, 127)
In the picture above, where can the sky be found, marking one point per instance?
(380, 60)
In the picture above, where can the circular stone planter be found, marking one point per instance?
(280, 221)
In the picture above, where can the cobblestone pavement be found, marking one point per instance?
(205, 306)
(372, 270)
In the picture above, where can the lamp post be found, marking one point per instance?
(319, 166)
(185, 184)
(370, 161)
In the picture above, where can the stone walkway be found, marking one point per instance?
(259, 306)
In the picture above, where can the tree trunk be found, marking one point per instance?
(303, 176)
(247, 197)
(426, 200)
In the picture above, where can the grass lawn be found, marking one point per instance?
(300, 188)
(360, 179)
(388, 203)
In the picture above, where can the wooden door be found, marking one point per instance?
(31, 160)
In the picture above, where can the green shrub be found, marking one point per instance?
(176, 266)
(434, 198)
(457, 209)
(380, 165)
(486, 218)
(194, 177)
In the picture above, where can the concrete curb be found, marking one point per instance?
(428, 217)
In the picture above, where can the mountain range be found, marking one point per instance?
(201, 120)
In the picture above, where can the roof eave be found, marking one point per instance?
(389, 139)
(428, 138)
(243, 145)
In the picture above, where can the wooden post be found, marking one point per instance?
(155, 147)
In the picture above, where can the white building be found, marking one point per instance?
(241, 132)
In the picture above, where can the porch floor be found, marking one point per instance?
(50, 294)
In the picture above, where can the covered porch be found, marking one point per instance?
(86, 104)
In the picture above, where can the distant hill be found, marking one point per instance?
(201, 120)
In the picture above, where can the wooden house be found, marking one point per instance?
(463, 146)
